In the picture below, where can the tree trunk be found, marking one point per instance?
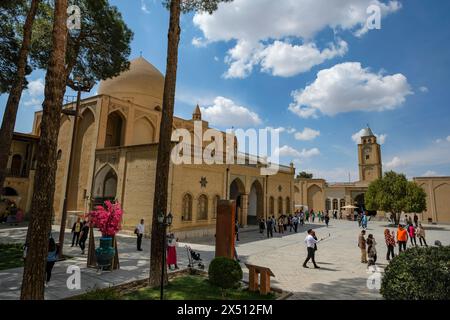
(12, 105)
(397, 217)
(164, 147)
(44, 182)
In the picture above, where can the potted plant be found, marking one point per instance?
(107, 219)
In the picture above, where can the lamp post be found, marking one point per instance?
(78, 85)
(164, 221)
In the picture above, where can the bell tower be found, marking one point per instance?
(369, 156)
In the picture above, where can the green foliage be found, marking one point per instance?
(225, 273)
(197, 5)
(418, 274)
(305, 175)
(11, 256)
(394, 193)
(188, 287)
(12, 15)
(99, 50)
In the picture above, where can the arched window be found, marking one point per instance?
(16, 165)
(202, 213)
(187, 207)
(280, 205)
(59, 155)
(215, 204)
(342, 203)
(335, 204)
(328, 205)
(288, 205)
(115, 129)
(271, 206)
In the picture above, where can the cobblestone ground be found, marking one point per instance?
(341, 276)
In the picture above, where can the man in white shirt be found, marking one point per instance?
(311, 242)
(139, 231)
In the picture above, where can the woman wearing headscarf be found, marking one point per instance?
(390, 243)
(371, 250)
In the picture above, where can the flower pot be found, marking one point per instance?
(105, 253)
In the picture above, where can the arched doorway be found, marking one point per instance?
(9, 192)
(255, 204)
(115, 130)
(105, 185)
(360, 203)
(315, 198)
(237, 191)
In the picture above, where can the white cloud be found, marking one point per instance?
(395, 163)
(430, 173)
(144, 7)
(423, 89)
(216, 58)
(253, 22)
(348, 87)
(291, 130)
(307, 134)
(448, 139)
(286, 60)
(226, 113)
(199, 42)
(381, 138)
(36, 88)
(287, 151)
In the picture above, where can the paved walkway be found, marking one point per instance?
(342, 276)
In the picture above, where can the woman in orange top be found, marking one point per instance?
(402, 238)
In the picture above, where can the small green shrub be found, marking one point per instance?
(225, 273)
(100, 294)
(418, 274)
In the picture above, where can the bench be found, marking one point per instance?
(259, 278)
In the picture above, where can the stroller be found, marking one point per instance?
(194, 259)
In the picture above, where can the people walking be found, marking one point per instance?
(236, 229)
(420, 232)
(359, 218)
(311, 246)
(371, 250)
(313, 216)
(307, 216)
(416, 220)
(139, 231)
(281, 224)
(402, 238)
(274, 224)
(52, 257)
(269, 226)
(362, 246)
(76, 229)
(172, 252)
(295, 223)
(302, 218)
(390, 244)
(84, 235)
(262, 225)
(364, 221)
(327, 219)
(412, 235)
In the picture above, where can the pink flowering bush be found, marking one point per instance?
(107, 220)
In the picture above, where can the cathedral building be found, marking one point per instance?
(115, 159)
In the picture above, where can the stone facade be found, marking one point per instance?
(438, 198)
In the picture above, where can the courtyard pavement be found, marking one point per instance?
(341, 277)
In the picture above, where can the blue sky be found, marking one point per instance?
(312, 70)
